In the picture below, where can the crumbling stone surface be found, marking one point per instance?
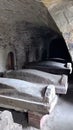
(7, 123)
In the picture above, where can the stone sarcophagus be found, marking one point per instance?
(23, 95)
(33, 98)
(39, 77)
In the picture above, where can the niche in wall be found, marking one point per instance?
(10, 61)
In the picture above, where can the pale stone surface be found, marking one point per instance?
(50, 93)
(7, 123)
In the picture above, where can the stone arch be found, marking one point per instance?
(10, 61)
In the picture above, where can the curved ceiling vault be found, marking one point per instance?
(62, 13)
(15, 11)
(55, 14)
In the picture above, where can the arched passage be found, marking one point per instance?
(10, 61)
(58, 49)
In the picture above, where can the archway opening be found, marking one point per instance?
(10, 61)
(58, 49)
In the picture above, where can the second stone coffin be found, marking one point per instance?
(35, 76)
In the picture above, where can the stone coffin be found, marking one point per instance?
(26, 96)
(35, 76)
(55, 66)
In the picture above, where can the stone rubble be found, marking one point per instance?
(7, 122)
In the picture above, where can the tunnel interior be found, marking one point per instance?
(58, 49)
(55, 47)
(46, 44)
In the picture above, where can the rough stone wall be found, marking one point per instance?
(30, 41)
(19, 21)
(27, 40)
(25, 25)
